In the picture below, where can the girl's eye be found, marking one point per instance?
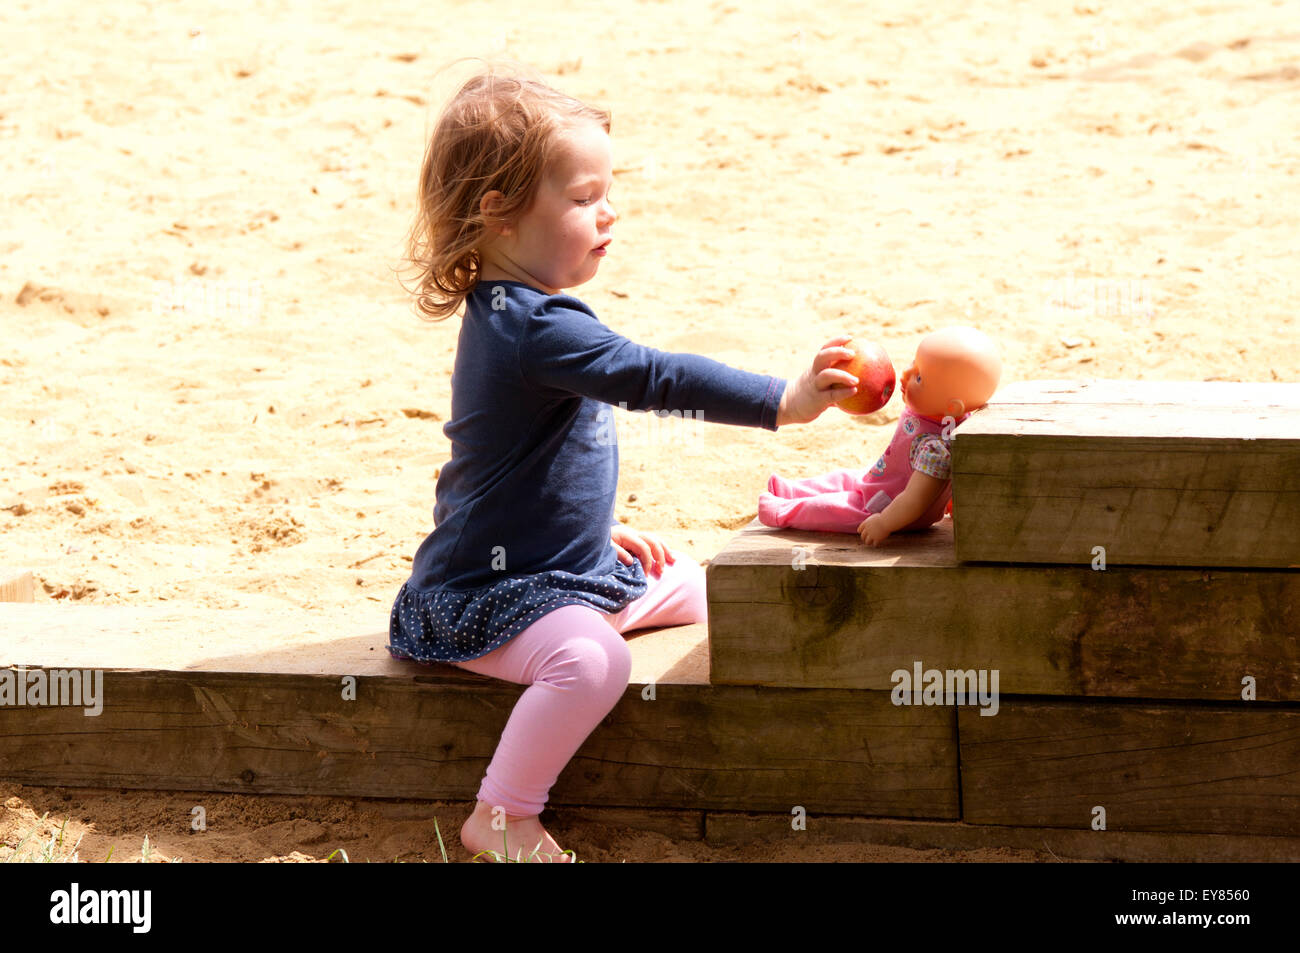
(582, 201)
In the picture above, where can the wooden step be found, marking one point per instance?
(1154, 473)
(823, 610)
(1166, 767)
(254, 701)
(1077, 842)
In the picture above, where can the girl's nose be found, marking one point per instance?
(608, 212)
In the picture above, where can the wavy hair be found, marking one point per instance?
(498, 134)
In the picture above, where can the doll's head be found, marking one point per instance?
(496, 146)
(955, 371)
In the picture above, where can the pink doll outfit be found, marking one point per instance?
(838, 502)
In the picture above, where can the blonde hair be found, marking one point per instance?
(497, 133)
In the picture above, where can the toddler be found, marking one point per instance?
(527, 576)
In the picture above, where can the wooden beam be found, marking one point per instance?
(1155, 473)
(16, 585)
(1108, 845)
(1236, 395)
(678, 825)
(806, 609)
(1174, 768)
(257, 706)
(285, 641)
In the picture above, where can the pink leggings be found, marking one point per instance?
(577, 665)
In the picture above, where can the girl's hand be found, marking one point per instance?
(649, 549)
(818, 387)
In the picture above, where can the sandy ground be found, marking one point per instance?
(217, 393)
(98, 825)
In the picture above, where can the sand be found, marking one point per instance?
(217, 394)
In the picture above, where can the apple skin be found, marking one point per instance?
(871, 366)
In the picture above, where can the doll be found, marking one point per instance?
(954, 373)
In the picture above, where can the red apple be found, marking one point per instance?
(870, 365)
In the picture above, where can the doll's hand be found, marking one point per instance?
(817, 388)
(873, 529)
(649, 549)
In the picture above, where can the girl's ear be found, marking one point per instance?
(956, 407)
(489, 206)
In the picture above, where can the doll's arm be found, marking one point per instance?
(917, 497)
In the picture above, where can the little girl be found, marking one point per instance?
(527, 576)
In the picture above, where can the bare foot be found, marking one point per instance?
(496, 836)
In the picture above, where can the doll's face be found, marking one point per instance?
(954, 372)
(927, 385)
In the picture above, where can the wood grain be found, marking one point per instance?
(1184, 768)
(1156, 474)
(226, 715)
(853, 615)
(1056, 842)
(691, 747)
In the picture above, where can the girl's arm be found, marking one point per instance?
(565, 349)
(917, 497)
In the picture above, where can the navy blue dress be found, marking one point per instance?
(525, 507)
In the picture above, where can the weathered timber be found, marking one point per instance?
(264, 709)
(1173, 768)
(1152, 473)
(1054, 842)
(789, 608)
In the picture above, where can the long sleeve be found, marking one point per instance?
(566, 349)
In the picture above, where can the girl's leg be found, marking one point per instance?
(839, 512)
(815, 486)
(576, 667)
(674, 597)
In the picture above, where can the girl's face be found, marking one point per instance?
(559, 242)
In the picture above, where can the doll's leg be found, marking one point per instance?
(839, 512)
(576, 668)
(674, 597)
(814, 486)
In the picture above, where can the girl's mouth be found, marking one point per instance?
(601, 248)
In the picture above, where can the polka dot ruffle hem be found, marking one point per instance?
(449, 625)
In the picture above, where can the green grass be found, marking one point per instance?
(499, 857)
(503, 857)
(51, 851)
(519, 858)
